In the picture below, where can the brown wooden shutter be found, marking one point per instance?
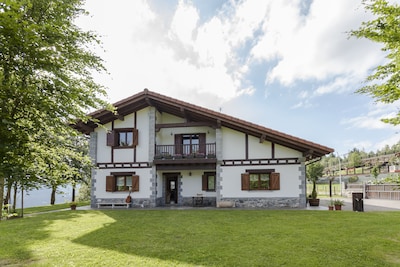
(245, 181)
(178, 144)
(110, 183)
(204, 182)
(202, 143)
(274, 181)
(135, 137)
(112, 138)
(135, 183)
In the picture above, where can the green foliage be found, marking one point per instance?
(375, 172)
(84, 192)
(313, 172)
(338, 202)
(384, 82)
(46, 83)
(353, 179)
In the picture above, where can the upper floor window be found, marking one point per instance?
(122, 138)
(125, 138)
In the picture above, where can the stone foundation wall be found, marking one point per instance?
(207, 201)
(266, 203)
(136, 203)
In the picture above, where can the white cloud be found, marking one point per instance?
(372, 119)
(315, 46)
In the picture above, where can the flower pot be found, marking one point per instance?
(338, 207)
(73, 207)
(314, 202)
(331, 207)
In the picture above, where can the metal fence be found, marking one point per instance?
(379, 191)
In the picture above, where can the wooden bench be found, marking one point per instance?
(113, 204)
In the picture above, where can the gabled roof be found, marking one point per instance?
(196, 114)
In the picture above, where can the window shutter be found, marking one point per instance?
(135, 183)
(274, 181)
(178, 144)
(202, 143)
(245, 181)
(112, 138)
(135, 137)
(110, 183)
(204, 182)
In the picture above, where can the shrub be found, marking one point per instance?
(353, 179)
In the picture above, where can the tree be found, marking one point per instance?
(46, 83)
(384, 82)
(314, 171)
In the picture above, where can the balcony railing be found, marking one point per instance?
(185, 151)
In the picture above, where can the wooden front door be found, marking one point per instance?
(171, 190)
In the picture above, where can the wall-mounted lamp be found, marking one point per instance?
(172, 134)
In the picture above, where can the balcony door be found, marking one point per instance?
(187, 144)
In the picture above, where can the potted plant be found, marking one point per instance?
(314, 172)
(73, 205)
(331, 205)
(338, 204)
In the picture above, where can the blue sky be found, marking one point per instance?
(286, 65)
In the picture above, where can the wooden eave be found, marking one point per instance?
(196, 114)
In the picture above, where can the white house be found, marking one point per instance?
(170, 152)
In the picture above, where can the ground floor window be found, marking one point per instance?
(208, 181)
(122, 182)
(260, 180)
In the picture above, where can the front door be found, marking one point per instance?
(172, 190)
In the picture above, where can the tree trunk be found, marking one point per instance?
(15, 196)
(1, 193)
(53, 194)
(73, 193)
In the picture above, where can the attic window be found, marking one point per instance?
(122, 138)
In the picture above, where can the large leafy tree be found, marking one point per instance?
(384, 83)
(46, 83)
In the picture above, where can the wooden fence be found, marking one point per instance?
(379, 191)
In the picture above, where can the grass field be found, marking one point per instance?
(201, 237)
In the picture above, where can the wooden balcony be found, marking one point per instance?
(182, 152)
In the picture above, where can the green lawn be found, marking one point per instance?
(201, 237)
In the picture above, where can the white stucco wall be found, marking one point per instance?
(259, 150)
(103, 151)
(289, 182)
(233, 144)
(192, 184)
(285, 152)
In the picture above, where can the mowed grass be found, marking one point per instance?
(199, 237)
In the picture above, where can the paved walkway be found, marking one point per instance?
(369, 205)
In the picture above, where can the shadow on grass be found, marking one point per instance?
(17, 235)
(192, 237)
(247, 238)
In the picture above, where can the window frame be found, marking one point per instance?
(205, 181)
(114, 137)
(111, 182)
(273, 180)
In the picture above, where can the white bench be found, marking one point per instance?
(113, 204)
